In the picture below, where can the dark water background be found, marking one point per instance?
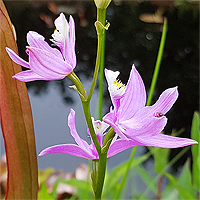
(129, 40)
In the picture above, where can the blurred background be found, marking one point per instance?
(133, 38)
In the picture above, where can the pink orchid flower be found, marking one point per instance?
(132, 120)
(82, 148)
(45, 62)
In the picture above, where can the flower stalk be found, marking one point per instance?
(99, 167)
(101, 17)
(86, 106)
(100, 175)
(78, 86)
(86, 109)
(107, 141)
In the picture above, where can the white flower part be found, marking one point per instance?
(62, 29)
(115, 87)
(57, 36)
(99, 126)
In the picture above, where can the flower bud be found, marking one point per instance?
(102, 4)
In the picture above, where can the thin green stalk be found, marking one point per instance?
(100, 175)
(125, 173)
(101, 17)
(78, 86)
(153, 84)
(158, 63)
(96, 71)
(99, 166)
(86, 109)
(86, 99)
(107, 140)
(86, 104)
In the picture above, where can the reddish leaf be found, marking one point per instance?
(16, 121)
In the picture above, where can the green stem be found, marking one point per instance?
(96, 71)
(78, 85)
(99, 166)
(101, 17)
(100, 175)
(107, 140)
(158, 63)
(86, 109)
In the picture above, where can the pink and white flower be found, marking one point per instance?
(45, 62)
(132, 120)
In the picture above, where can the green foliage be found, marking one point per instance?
(43, 193)
(184, 183)
(147, 178)
(195, 135)
(80, 184)
(44, 174)
(112, 181)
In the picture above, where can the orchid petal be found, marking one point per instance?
(115, 87)
(36, 40)
(16, 58)
(62, 25)
(70, 149)
(108, 118)
(134, 97)
(70, 54)
(27, 76)
(71, 123)
(165, 141)
(111, 76)
(99, 126)
(48, 65)
(62, 36)
(121, 145)
(165, 101)
(149, 128)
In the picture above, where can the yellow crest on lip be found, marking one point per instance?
(119, 85)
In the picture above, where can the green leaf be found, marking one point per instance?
(161, 158)
(112, 179)
(83, 187)
(170, 193)
(44, 174)
(43, 193)
(16, 121)
(184, 193)
(185, 180)
(147, 178)
(195, 135)
(81, 184)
